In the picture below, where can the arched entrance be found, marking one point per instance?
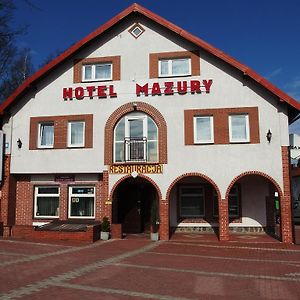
(135, 205)
(255, 204)
(193, 203)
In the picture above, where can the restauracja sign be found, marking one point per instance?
(148, 89)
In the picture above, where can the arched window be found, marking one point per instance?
(136, 139)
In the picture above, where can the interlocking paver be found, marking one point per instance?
(190, 266)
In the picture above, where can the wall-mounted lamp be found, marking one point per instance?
(19, 143)
(134, 106)
(269, 136)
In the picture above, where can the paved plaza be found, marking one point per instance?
(189, 266)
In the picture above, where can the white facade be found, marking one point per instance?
(222, 163)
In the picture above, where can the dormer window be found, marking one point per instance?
(97, 72)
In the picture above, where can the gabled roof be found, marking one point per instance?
(293, 105)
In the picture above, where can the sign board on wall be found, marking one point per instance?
(143, 169)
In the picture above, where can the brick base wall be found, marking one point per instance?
(27, 232)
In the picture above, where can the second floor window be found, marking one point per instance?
(174, 67)
(46, 135)
(203, 130)
(239, 128)
(76, 134)
(97, 72)
(136, 139)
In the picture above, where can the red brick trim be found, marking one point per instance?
(60, 130)
(125, 109)
(192, 175)
(254, 173)
(285, 201)
(221, 123)
(115, 60)
(155, 57)
(141, 176)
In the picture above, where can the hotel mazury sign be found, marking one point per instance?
(147, 89)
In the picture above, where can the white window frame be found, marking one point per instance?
(144, 118)
(204, 141)
(247, 139)
(81, 196)
(36, 195)
(93, 77)
(202, 194)
(70, 134)
(170, 62)
(40, 135)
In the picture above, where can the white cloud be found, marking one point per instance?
(273, 73)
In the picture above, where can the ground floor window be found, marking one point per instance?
(46, 201)
(191, 201)
(81, 202)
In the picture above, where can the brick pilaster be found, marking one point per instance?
(105, 201)
(63, 203)
(164, 220)
(223, 220)
(285, 202)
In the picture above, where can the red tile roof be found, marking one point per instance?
(293, 105)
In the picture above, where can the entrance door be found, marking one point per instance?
(132, 205)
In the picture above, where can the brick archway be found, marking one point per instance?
(201, 176)
(150, 180)
(139, 107)
(261, 174)
(192, 175)
(270, 200)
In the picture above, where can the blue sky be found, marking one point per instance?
(262, 34)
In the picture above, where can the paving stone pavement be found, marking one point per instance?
(189, 266)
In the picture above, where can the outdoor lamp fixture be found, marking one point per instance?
(269, 136)
(19, 143)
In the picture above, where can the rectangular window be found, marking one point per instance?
(46, 135)
(239, 128)
(46, 202)
(191, 201)
(76, 133)
(174, 67)
(203, 130)
(97, 72)
(82, 202)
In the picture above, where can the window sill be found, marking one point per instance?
(135, 163)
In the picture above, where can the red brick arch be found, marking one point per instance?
(141, 176)
(192, 175)
(140, 107)
(261, 174)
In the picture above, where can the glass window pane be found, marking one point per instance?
(136, 128)
(103, 71)
(180, 66)
(47, 206)
(82, 206)
(87, 72)
(77, 132)
(152, 151)
(192, 206)
(119, 151)
(82, 190)
(238, 128)
(120, 131)
(48, 190)
(152, 129)
(164, 67)
(46, 134)
(203, 129)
